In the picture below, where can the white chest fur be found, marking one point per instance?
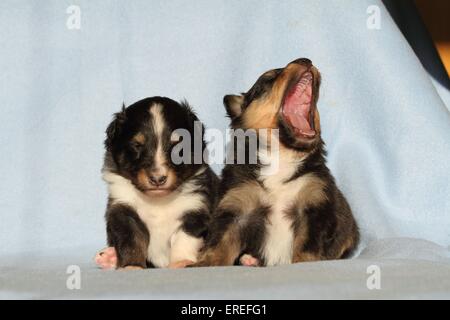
(278, 247)
(161, 216)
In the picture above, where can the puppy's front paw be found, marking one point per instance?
(201, 263)
(180, 264)
(249, 261)
(106, 258)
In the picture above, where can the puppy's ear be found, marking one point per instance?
(233, 105)
(115, 127)
(195, 125)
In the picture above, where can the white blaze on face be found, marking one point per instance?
(160, 161)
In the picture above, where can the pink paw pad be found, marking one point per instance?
(249, 261)
(180, 264)
(106, 258)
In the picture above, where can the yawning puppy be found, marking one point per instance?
(158, 211)
(286, 208)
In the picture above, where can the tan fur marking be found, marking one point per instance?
(317, 121)
(289, 153)
(171, 179)
(243, 198)
(144, 183)
(139, 138)
(347, 245)
(312, 193)
(262, 113)
(143, 179)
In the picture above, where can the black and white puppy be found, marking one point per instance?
(286, 207)
(158, 211)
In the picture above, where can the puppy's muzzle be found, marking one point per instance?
(158, 180)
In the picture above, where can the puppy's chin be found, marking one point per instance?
(157, 193)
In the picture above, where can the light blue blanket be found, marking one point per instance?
(386, 127)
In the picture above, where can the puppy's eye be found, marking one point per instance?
(136, 146)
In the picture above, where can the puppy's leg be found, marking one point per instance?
(302, 256)
(184, 249)
(189, 239)
(327, 231)
(128, 235)
(222, 254)
(320, 235)
(308, 235)
(224, 242)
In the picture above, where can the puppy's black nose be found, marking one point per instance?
(157, 180)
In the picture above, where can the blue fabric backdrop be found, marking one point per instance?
(386, 128)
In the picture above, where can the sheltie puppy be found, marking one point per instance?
(286, 207)
(158, 211)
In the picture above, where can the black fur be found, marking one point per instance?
(195, 223)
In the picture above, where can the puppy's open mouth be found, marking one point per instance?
(297, 109)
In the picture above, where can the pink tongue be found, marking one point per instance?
(302, 125)
(297, 106)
